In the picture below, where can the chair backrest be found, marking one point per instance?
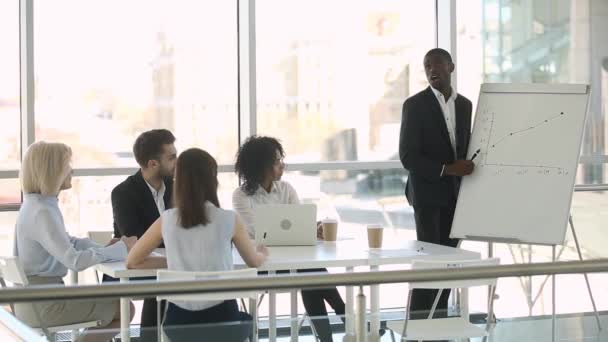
(11, 271)
(167, 275)
(101, 237)
(432, 264)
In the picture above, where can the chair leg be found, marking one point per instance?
(301, 322)
(407, 316)
(312, 326)
(435, 302)
(260, 300)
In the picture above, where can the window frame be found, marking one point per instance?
(445, 37)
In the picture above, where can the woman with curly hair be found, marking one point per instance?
(259, 165)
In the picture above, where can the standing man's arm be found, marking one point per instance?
(410, 146)
(126, 221)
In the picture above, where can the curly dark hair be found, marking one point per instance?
(255, 157)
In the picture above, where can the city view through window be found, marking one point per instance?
(330, 85)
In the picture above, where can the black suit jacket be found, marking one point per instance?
(424, 147)
(133, 205)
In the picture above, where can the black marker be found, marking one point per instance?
(264, 238)
(475, 154)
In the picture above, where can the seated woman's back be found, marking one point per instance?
(202, 247)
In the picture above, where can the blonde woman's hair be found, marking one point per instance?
(44, 168)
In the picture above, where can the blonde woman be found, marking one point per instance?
(46, 251)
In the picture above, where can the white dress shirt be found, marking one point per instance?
(448, 108)
(280, 193)
(44, 247)
(159, 196)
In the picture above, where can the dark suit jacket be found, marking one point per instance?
(133, 205)
(424, 147)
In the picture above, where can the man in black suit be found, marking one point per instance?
(139, 200)
(433, 142)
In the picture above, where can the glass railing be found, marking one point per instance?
(96, 307)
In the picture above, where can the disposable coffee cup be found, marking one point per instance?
(330, 229)
(374, 236)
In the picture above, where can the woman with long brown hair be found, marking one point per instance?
(198, 236)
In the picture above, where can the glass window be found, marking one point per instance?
(357, 198)
(7, 229)
(87, 206)
(332, 75)
(109, 70)
(9, 86)
(10, 191)
(516, 41)
(540, 42)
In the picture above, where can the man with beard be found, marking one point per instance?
(140, 199)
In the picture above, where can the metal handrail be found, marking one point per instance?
(591, 187)
(139, 289)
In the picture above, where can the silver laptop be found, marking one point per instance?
(285, 224)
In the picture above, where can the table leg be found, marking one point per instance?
(253, 311)
(362, 335)
(73, 277)
(125, 316)
(374, 326)
(272, 313)
(464, 303)
(73, 282)
(349, 335)
(294, 312)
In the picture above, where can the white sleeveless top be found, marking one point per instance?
(201, 248)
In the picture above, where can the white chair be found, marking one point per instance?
(12, 272)
(102, 238)
(167, 275)
(451, 327)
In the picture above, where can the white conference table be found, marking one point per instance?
(347, 253)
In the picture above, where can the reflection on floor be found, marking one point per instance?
(570, 328)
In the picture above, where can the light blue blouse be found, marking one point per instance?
(44, 247)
